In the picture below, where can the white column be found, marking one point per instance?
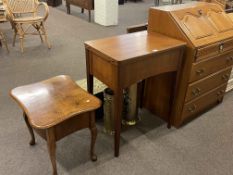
(106, 12)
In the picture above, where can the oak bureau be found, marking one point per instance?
(207, 62)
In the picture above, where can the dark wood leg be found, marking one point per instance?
(172, 101)
(174, 92)
(32, 142)
(93, 136)
(82, 11)
(118, 97)
(141, 87)
(169, 124)
(156, 2)
(89, 15)
(51, 142)
(89, 76)
(90, 83)
(68, 7)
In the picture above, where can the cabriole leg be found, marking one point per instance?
(51, 142)
(93, 136)
(32, 142)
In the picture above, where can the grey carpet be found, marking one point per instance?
(202, 147)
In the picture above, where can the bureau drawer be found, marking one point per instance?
(214, 49)
(203, 102)
(202, 69)
(199, 87)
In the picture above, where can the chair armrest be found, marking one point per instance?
(46, 7)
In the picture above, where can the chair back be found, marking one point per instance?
(15, 7)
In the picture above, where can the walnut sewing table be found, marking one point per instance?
(121, 61)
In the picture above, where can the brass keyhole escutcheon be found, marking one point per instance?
(200, 12)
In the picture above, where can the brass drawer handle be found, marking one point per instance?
(200, 71)
(225, 77)
(196, 91)
(192, 108)
(219, 93)
(221, 47)
(229, 59)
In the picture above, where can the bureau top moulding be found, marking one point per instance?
(200, 23)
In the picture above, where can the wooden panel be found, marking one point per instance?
(222, 3)
(167, 62)
(202, 86)
(220, 21)
(73, 124)
(162, 22)
(194, 107)
(230, 16)
(103, 70)
(157, 94)
(206, 18)
(202, 69)
(197, 26)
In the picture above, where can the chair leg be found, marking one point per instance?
(5, 43)
(14, 38)
(82, 10)
(20, 31)
(51, 143)
(45, 35)
(89, 15)
(2, 37)
(93, 130)
(38, 28)
(32, 142)
(21, 43)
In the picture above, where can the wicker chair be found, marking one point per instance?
(3, 41)
(24, 14)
